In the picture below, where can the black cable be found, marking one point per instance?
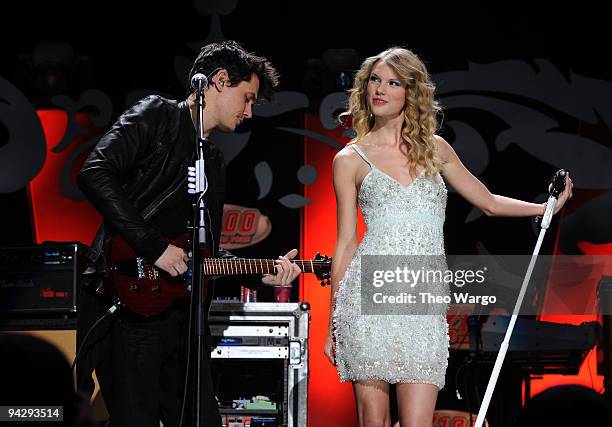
(118, 304)
(467, 397)
(462, 365)
(467, 363)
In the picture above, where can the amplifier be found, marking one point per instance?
(41, 279)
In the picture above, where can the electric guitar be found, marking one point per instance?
(148, 290)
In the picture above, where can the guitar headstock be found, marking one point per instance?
(322, 268)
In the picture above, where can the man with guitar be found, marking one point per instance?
(136, 177)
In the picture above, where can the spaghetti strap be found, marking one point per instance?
(362, 154)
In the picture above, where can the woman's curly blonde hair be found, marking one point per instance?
(420, 112)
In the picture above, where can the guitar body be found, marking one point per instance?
(143, 288)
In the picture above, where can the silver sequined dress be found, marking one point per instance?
(400, 220)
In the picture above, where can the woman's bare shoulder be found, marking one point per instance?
(347, 157)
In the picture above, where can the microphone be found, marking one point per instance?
(555, 188)
(198, 80)
(557, 183)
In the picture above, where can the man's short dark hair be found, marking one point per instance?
(239, 63)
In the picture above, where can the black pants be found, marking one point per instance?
(142, 378)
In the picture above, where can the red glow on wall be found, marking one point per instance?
(330, 403)
(595, 249)
(587, 375)
(56, 217)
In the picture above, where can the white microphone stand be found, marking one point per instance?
(557, 186)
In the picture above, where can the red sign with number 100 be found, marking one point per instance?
(243, 227)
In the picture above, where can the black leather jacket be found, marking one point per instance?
(133, 170)
(138, 164)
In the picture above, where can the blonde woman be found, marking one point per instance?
(393, 169)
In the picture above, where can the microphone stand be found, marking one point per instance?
(198, 185)
(556, 187)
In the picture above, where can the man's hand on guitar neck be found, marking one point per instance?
(286, 271)
(173, 261)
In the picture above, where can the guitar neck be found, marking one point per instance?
(236, 266)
